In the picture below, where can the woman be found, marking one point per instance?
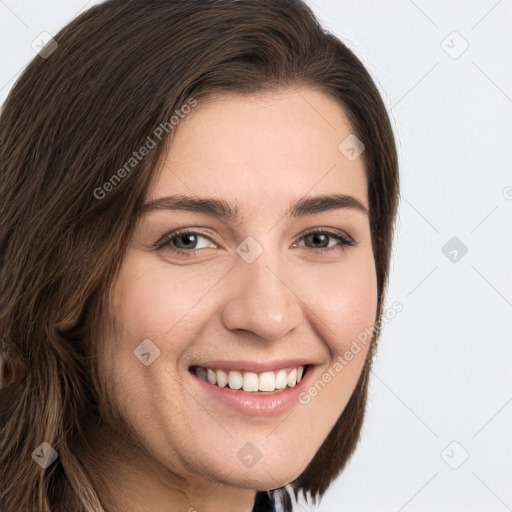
(198, 201)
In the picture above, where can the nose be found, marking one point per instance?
(261, 301)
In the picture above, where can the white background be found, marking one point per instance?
(442, 376)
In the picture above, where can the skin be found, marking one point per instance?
(261, 151)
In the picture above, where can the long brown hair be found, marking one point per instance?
(73, 118)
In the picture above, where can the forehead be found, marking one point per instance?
(263, 150)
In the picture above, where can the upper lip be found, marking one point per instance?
(254, 366)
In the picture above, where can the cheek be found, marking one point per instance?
(156, 302)
(344, 301)
(354, 310)
(345, 312)
(148, 303)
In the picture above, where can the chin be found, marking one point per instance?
(263, 476)
(263, 480)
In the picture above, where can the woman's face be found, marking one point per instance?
(249, 290)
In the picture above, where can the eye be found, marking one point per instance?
(185, 242)
(322, 238)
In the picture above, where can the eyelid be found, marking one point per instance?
(334, 232)
(345, 239)
(183, 231)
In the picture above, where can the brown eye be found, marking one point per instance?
(187, 239)
(184, 242)
(319, 240)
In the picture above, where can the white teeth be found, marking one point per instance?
(291, 379)
(222, 378)
(212, 376)
(252, 382)
(280, 380)
(235, 380)
(266, 381)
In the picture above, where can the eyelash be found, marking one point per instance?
(166, 240)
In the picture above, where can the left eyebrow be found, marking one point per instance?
(322, 203)
(230, 212)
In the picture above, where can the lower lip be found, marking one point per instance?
(257, 404)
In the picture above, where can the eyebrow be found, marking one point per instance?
(230, 212)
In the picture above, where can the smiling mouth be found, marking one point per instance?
(252, 382)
